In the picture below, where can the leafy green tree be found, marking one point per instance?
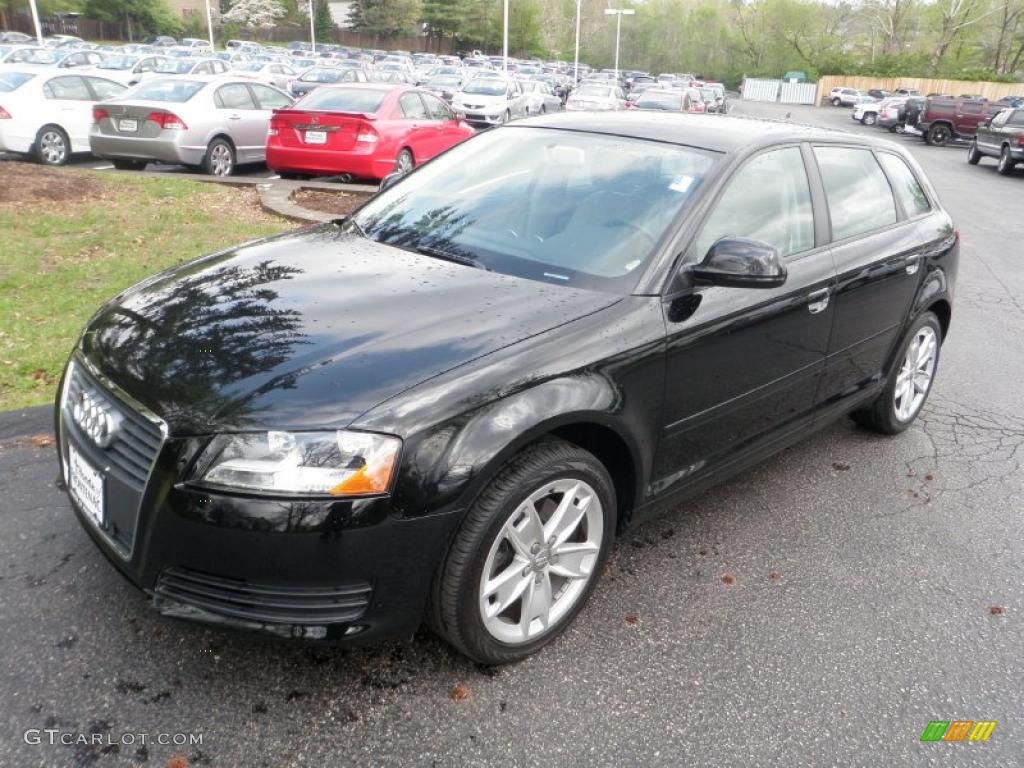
(446, 18)
(386, 17)
(255, 14)
(140, 16)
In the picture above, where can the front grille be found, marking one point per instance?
(264, 603)
(132, 445)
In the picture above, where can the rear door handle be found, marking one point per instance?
(912, 263)
(234, 117)
(817, 301)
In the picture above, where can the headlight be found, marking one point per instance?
(339, 463)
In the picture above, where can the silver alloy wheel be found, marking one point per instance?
(221, 162)
(915, 376)
(542, 560)
(52, 147)
(404, 163)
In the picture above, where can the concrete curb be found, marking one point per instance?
(26, 421)
(276, 197)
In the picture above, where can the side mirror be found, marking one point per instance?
(460, 116)
(737, 262)
(390, 180)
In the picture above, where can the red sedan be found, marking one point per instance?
(363, 131)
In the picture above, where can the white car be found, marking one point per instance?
(596, 97)
(125, 68)
(491, 99)
(845, 97)
(48, 113)
(277, 75)
(540, 98)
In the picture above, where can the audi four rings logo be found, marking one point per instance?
(95, 419)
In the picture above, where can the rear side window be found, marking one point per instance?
(73, 88)
(906, 186)
(859, 197)
(412, 107)
(768, 199)
(941, 109)
(234, 96)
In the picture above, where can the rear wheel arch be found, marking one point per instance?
(942, 309)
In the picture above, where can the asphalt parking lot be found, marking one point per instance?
(819, 610)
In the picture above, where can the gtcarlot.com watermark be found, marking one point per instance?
(127, 739)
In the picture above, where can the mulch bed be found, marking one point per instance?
(340, 203)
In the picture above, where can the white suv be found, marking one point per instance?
(845, 97)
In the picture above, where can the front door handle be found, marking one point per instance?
(818, 301)
(912, 264)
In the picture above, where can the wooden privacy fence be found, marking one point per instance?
(991, 91)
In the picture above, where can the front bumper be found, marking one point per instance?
(481, 119)
(341, 571)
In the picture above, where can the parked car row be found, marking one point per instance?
(990, 128)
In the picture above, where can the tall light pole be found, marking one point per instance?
(504, 37)
(35, 21)
(209, 25)
(619, 13)
(576, 60)
(312, 28)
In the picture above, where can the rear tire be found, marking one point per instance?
(52, 147)
(220, 158)
(405, 162)
(883, 414)
(1006, 162)
(870, 118)
(483, 551)
(973, 155)
(836, 102)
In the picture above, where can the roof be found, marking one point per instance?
(715, 132)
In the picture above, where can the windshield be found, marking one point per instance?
(660, 100)
(167, 90)
(118, 62)
(562, 207)
(342, 99)
(447, 81)
(174, 67)
(321, 76)
(594, 91)
(11, 81)
(486, 87)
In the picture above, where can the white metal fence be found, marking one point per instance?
(798, 93)
(757, 89)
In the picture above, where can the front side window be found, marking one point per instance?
(269, 98)
(437, 109)
(1016, 118)
(106, 89)
(905, 185)
(768, 199)
(859, 197)
(562, 207)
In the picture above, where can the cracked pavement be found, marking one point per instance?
(820, 609)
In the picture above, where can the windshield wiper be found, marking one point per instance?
(458, 258)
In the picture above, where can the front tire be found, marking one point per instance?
(53, 147)
(870, 118)
(938, 135)
(220, 158)
(910, 380)
(973, 155)
(836, 102)
(527, 555)
(1006, 162)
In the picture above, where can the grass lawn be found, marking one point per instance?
(71, 239)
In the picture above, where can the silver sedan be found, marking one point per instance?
(213, 123)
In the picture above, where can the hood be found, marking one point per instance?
(310, 330)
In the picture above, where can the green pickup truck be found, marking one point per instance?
(1002, 137)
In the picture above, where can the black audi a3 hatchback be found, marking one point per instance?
(442, 408)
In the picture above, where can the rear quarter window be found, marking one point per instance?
(905, 185)
(860, 199)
